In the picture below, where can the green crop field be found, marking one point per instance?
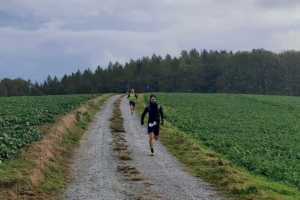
(260, 133)
(20, 118)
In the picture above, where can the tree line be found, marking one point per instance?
(257, 72)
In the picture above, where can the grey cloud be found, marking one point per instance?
(278, 3)
(55, 37)
(20, 21)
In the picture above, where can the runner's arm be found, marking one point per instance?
(143, 115)
(161, 115)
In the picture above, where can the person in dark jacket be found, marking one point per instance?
(155, 118)
(132, 97)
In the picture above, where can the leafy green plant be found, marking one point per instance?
(20, 118)
(260, 133)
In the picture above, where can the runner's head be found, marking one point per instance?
(152, 98)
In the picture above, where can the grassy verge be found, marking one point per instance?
(42, 170)
(57, 174)
(233, 181)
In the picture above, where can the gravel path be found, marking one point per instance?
(167, 176)
(95, 167)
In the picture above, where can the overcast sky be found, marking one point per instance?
(41, 37)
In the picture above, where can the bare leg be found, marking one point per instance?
(131, 109)
(151, 141)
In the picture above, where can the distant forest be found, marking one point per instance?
(256, 72)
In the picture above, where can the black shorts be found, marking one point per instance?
(154, 129)
(132, 103)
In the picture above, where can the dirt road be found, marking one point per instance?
(95, 169)
(97, 176)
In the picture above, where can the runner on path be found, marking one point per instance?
(155, 118)
(132, 97)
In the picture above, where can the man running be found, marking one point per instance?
(132, 97)
(155, 117)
